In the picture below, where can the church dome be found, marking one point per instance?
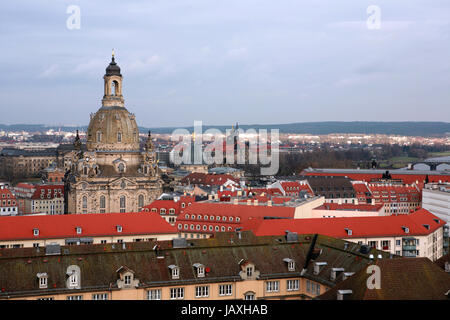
(113, 69)
(113, 128)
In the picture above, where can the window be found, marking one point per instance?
(35, 232)
(122, 204)
(84, 203)
(175, 272)
(249, 296)
(202, 291)
(119, 136)
(272, 286)
(177, 293)
(225, 289)
(291, 265)
(216, 228)
(230, 219)
(154, 294)
(397, 242)
(293, 285)
(127, 280)
(238, 219)
(79, 230)
(49, 298)
(210, 228)
(249, 271)
(140, 201)
(42, 281)
(205, 217)
(99, 136)
(74, 297)
(312, 287)
(162, 211)
(100, 296)
(73, 280)
(200, 271)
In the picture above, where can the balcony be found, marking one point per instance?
(409, 254)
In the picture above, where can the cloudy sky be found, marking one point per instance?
(222, 61)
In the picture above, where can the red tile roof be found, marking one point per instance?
(93, 225)
(208, 179)
(361, 226)
(350, 207)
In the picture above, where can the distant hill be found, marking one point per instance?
(361, 127)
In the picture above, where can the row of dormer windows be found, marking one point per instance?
(211, 218)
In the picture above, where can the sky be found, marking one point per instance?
(227, 61)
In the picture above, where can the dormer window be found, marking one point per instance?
(175, 271)
(127, 279)
(249, 271)
(43, 280)
(35, 232)
(73, 280)
(200, 270)
(119, 228)
(405, 229)
(78, 230)
(349, 231)
(121, 167)
(290, 264)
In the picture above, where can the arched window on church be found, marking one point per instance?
(121, 167)
(99, 136)
(140, 202)
(123, 204)
(102, 204)
(84, 204)
(115, 88)
(119, 136)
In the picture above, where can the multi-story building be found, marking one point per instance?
(415, 279)
(40, 198)
(419, 234)
(16, 163)
(396, 198)
(170, 209)
(334, 189)
(232, 266)
(334, 210)
(8, 202)
(205, 218)
(71, 229)
(436, 199)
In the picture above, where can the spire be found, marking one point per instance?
(148, 143)
(77, 142)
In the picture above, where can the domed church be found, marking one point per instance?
(112, 174)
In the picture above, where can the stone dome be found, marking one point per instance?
(112, 128)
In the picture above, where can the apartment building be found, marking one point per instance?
(169, 209)
(40, 198)
(8, 202)
(76, 229)
(230, 266)
(419, 234)
(436, 199)
(415, 279)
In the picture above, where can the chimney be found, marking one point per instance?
(318, 266)
(210, 196)
(255, 202)
(335, 273)
(347, 275)
(249, 202)
(269, 203)
(216, 196)
(235, 200)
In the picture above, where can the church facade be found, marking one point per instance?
(112, 173)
